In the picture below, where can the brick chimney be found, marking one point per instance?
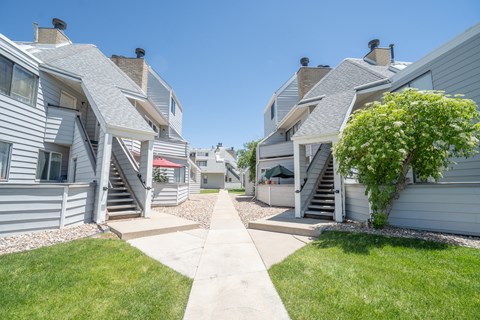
(377, 55)
(53, 35)
(307, 76)
(135, 68)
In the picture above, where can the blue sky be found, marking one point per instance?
(225, 59)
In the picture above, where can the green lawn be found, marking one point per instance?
(204, 191)
(237, 191)
(89, 279)
(359, 276)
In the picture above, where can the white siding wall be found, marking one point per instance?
(287, 99)
(281, 149)
(449, 208)
(159, 94)
(85, 165)
(175, 120)
(279, 195)
(34, 207)
(214, 181)
(169, 194)
(170, 148)
(60, 125)
(269, 123)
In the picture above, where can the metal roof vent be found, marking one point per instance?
(323, 66)
(304, 61)
(372, 44)
(140, 52)
(59, 24)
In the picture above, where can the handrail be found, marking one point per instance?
(133, 163)
(308, 168)
(91, 153)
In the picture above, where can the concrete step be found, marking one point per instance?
(287, 223)
(159, 223)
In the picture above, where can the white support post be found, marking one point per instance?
(64, 207)
(145, 169)
(103, 175)
(299, 153)
(337, 185)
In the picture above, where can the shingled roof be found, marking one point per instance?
(338, 87)
(103, 81)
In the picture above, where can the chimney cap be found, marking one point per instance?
(372, 44)
(59, 24)
(304, 61)
(323, 66)
(140, 52)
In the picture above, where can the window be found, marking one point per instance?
(179, 174)
(49, 166)
(5, 152)
(290, 132)
(67, 100)
(205, 180)
(172, 106)
(74, 169)
(202, 163)
(202, 154)
(153, 126)
(272, 110)
(17, 82)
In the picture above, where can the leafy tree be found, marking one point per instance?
(415, 129)
(247, 158)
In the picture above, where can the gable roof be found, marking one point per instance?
(102, 81)
(338, 88)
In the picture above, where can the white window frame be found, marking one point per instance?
(9, 159)
(49, 165)
(68, 95)
(17, 97)
(173, 105)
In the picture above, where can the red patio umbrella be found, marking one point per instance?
(160, 162)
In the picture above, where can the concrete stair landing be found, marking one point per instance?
(287, 223)
(158, 223)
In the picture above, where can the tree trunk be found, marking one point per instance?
(401, 183)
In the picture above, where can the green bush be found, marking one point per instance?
(160, 175)
(379, 220)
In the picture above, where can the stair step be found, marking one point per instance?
(318, 215)
(325, 186)
(118, 188)
(119, 200)
(123, 215)
(323, 201)
(324, 196)
(121, 207)
(115, 193)
(321, 208)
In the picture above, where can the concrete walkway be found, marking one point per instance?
(231, 281)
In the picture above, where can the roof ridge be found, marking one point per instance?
(372, 71)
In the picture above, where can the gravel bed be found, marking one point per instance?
(34, 240)
(251, 210)
(198, 208)
(453, 239)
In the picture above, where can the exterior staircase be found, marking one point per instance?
(322, 203)
(120, 202)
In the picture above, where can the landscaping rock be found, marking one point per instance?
(34, 240)
(251, 210)
(198, 208)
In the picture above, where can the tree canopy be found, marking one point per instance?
(421, 130)
(247, 158)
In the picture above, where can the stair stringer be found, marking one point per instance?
(315, 179)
